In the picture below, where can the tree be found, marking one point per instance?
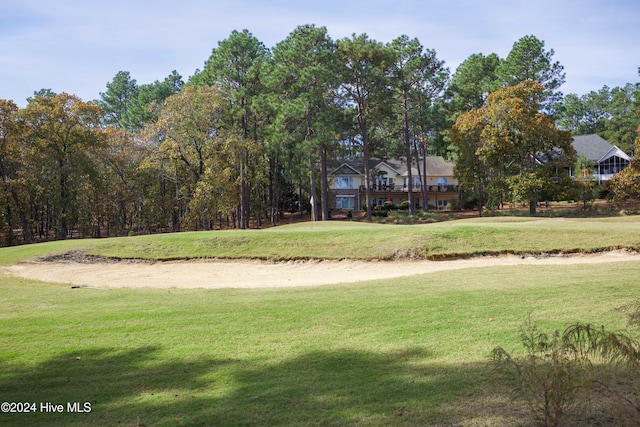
(121, 190)
(117, 101)
(60, 132)
(417, 77)
(304, 77)
(513, 146)
(364, 67)
(472, 81)
(44, 92)
(622, 126)
(528, 60)
(586, 114)
(611, 113)
(190, 135)
(146, 107)
(626, 184)
(10, 165)
(235, 67)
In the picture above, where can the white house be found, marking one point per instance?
(608, 158)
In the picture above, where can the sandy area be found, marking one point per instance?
(259, 274)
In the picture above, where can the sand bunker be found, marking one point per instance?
(261, 274)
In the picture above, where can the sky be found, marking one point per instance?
(78, 46)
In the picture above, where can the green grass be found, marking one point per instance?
(411, 351)
(342, 240)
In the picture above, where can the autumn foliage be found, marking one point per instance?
(510, 150)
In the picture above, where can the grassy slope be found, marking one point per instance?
(338, 240)
(371, 241)
(409, 351)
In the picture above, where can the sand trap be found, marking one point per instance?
(259, 274)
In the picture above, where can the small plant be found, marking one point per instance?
(559, 372)
(549, 377)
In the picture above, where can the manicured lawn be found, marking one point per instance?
(339, 240)
(410, 351)
(353, 240)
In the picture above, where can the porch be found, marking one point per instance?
(399, 188)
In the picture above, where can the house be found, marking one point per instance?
(389, 182)
(608, 159)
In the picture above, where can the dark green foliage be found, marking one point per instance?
(387, 206)
(471, 83)
(608, 112)
(528, 60)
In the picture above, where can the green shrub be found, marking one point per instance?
(387, 206)
(401, 217)
(427, 216)
(404, 205)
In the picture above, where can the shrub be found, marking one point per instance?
(401, 217)
(427, 216)
(387, 206)
(558, 372)
(548, 377)
(404, 205)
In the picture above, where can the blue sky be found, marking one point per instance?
(77, 46)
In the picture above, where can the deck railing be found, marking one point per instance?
(397, 188)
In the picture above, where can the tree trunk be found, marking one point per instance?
(407, 147)
(314, 196)
(425, 186)
(324, 183)
(273, 191)
(367, 172)
(62, 227)
(27, 235)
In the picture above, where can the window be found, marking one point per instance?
(344, 182)
(382, 179)
(416, 182)
(344, 202)
(442, 184)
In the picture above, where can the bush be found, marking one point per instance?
(404, 205)
(387, 206)
(559, 372)
(548, 377)
(425, 215)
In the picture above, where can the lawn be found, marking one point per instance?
(410, 351)
(354, 240)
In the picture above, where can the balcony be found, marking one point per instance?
(397, 188)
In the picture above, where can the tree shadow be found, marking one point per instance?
(140, 387)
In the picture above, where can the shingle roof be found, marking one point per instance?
(435, 166)
(593, 147)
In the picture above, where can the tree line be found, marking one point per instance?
(254, 132)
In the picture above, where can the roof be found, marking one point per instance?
(596, 148)
(436, 166)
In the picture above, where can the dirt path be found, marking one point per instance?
(258, 274)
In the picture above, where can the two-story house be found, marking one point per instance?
(389, 182)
